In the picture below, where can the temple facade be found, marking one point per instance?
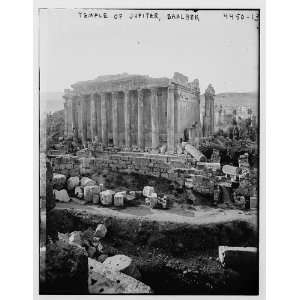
(133, 110)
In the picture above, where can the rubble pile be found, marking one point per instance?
(106, 274)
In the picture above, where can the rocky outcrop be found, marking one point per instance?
(105, 280)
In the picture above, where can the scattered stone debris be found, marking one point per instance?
(61, 195)
(104, 280)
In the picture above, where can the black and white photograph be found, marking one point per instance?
(149, 150)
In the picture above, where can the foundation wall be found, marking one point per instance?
(185, 172)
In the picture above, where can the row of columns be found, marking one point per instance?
(100, 127)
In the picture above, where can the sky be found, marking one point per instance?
(215, 49)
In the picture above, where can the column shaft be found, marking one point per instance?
(140, 141)
(115, 118)
(93, 117)
(74, 119)
(126, 119)
(103, 119)
(154, 119)
(66, 119)
(170, 120)
(83, 124)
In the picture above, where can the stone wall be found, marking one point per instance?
(181, 170)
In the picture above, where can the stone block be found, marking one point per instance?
(58, 181)
(106, 197)
(61, 196)
(89, 191)
(147, 191)
(73, 182)
(253, 202)
(85, 181)
(119, 199)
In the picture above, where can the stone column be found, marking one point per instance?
(103, 119)
(126, 119)
(170, 119)
(83, 121)
(66, 119)
(74, 119)
(115, 118)
(154, 119)
(93, 117)
(140, 141)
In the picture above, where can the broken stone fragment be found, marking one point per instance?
(61, 196)
(79, 192)
(103, 279)
(100, 231)
(73, 182)
(58, 181)
(89, 191)
(147, 191)
(85, 181)
(75, 238)
(124, 264)
(106, 197)
(119, 199)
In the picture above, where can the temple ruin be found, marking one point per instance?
(135, 110)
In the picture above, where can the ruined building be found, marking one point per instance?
(209, 114)
(134, 110)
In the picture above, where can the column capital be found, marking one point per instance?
(140, 92)
(126, 92)
(171, 87)
(153, 90)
